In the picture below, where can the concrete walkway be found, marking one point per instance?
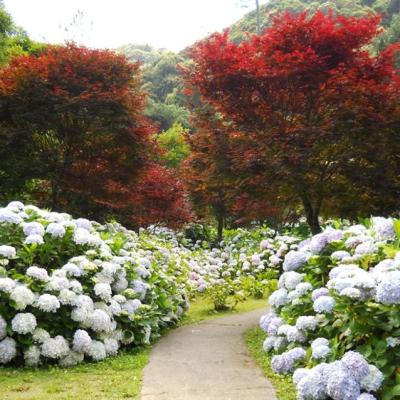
(206, 361)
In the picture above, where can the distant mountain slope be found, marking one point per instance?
(144, 53)
(162, 79)
(389, 9)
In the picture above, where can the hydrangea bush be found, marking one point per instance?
(335, 319)
(72, 289)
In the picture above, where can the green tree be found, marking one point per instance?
(174, 146)
(14, 41)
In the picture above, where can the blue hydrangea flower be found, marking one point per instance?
(373, 381)
(320, 352)
(324, 304)
(307, 323)
(279, 298)
(388, 291)
(294, 260)
(366, 396)
(356, 364)
(318, 293)
(311, 387)
(342, 385)
(299, 374)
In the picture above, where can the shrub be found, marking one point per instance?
(73, 289)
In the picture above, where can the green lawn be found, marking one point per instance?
(115, 378)
(284, 387)
(202, 308)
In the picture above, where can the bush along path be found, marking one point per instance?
(206, 361)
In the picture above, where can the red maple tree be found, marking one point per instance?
(313, 103)
(79, 113)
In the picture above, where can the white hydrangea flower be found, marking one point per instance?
(23, 323)
(100, 321)
(39, 335)
(131, 306)
(48, 303)
(7, 251)
(103, 290)
(97, 351)
(82, 236)
(37, 273)
(119, 298)
(22, 296)
(7, 285)
(55, 348)
(76, 286)
(9, 217)
(81, 314)
(82, 341)
(33, 228)
(71, 359)
(56, 217)
(57, 284)
(115, 307)
(3, 328)
(8, 350)
(34, 239)
(17, 205)
(391, 341)
(291, 279)
(383, 228)
(352, 293)
(56, 230)
(83, 223)
(32, 356)
(111, 345)
(67, 297)
(72, 269)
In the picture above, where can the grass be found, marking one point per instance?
(284, 387)
(119, 377)
(114, 378)
(202, 309)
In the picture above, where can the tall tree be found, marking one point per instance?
(80, 112)
(207, 170)
(313, 100)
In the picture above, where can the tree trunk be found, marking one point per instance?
(55, 194)
(312, 214)
(258, 17)
(220, 219)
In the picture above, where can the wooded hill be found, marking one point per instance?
(162, 80)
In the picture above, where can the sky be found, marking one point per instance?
(171, 24)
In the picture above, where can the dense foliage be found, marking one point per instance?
(74, 289)
(336, 310)
(73, 128)
(308, 98)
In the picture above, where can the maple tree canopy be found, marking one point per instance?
(312, 102)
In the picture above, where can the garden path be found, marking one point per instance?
(206, 361)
